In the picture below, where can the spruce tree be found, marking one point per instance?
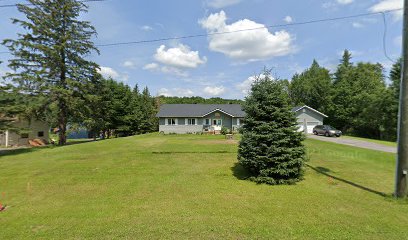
(49, 56)
(11, 106)
(271, 149)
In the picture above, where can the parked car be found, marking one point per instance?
(326, 130)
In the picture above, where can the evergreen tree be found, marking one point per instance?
(148, 120)
(391, 102)
(312, 87)
(50, 57)
(339, 110)
(271, 149)
(137, 113)
(98, 108)
(11, 106)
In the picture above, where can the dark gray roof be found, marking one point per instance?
(198, 110)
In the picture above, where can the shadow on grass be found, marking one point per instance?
(240, 172)
(326, 171)
(17, 151)
(22, 150)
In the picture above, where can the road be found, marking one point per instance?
(356, 143)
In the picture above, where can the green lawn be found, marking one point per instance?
(172, 187)
(387, 143)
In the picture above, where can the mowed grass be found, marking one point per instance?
(189, 187)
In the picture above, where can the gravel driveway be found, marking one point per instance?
(355, 143)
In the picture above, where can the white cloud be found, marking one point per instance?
(357, 25)
(222, 3)
(179, 92)
(154, 67)
(246, 45)
(180, 57)
(151, 66)
(214, 91)
(246, 85)
(108, 72)
(288, 19)
(146, 28)
(344, 2)
(129, 64)
(386, 5)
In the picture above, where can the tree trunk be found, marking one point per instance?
(62, 125)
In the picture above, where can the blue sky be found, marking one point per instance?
(223, 65)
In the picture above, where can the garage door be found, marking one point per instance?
(310, 126)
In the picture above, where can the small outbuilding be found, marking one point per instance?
(33, 129)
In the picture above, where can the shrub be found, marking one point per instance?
(225, 130)
(270, 148)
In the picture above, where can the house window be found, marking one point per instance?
(207, 121)
(40, 134)
(171, 121)
(24, 135)
(191, 121)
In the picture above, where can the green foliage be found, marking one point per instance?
(271, 149)
(10, 107)
(120, 111)
(225, 130)
(312, 87)
(360, 100)
(197, 100)
(49, 58)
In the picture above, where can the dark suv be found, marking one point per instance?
(326, 130)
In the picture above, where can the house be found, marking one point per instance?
(35, 129)
(193, 118)
(308, 118)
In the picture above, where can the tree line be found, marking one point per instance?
(356, 97)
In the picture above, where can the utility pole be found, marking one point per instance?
(401, 181)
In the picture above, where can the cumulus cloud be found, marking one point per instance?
(386, 5)
(246, 85)
(129, 64)
(288, 19)
(222, 3)
(108, 72)
(246, 45)
(175, 60)
(180, 57)
(179, 92)
(214, 91)
(154, 67)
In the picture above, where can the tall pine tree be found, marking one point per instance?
(49, 57)
(312, 87)
(271, 149)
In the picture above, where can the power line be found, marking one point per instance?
(249, 29)
(385, 38)
(30, 4)
(258, 28)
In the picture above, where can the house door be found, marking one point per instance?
(217, 124)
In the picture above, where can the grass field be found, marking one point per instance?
(172, 187)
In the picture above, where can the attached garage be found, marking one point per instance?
(308, 118)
